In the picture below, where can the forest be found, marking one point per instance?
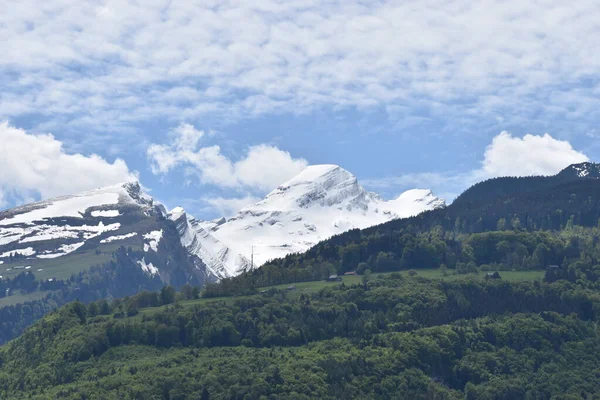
(386, 337)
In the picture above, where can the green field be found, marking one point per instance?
(22, 298)
(315, 286)
(506, 275)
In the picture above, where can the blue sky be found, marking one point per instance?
(211, 104)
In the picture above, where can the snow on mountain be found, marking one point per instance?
(205, 250)
(118, 237)
(322, 201)
(76, 205)
(65, 223)
(152, 240)
(585, 170)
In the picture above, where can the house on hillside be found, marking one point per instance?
(350, 273)
(493, 275)
(334, 278)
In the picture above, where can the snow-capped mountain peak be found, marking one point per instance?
(322, 185)
(321, 201)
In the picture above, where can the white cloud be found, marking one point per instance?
(504, 156)
(530, 155)
(262, 168)
(37, 165)
(87, 62)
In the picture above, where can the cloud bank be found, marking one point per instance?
(34, 166)
(84, 63)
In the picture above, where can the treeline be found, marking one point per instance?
(389, 335)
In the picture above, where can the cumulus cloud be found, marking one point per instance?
(37, 166)
(529, 155)
(87, 61)
(262, 168)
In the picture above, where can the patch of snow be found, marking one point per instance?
(29, 251)
(38, 233)
(148, 267)
(176, 213)
(9, 235)
(63, 250)
(106, 213)
(49, 232)
(153, 239)
(119, 237)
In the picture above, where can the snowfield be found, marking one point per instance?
(69, 207)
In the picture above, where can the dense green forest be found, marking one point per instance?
(387, 337)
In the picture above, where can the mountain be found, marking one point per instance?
(320, 202)
(58, 237)
(585, 170)
(502, 188)
(104, 243)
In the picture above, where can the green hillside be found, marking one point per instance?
(391, 336)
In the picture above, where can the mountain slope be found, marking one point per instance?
(320, 202)
(570, 198)
(46, 235)
(56, 238)
(391, 337)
